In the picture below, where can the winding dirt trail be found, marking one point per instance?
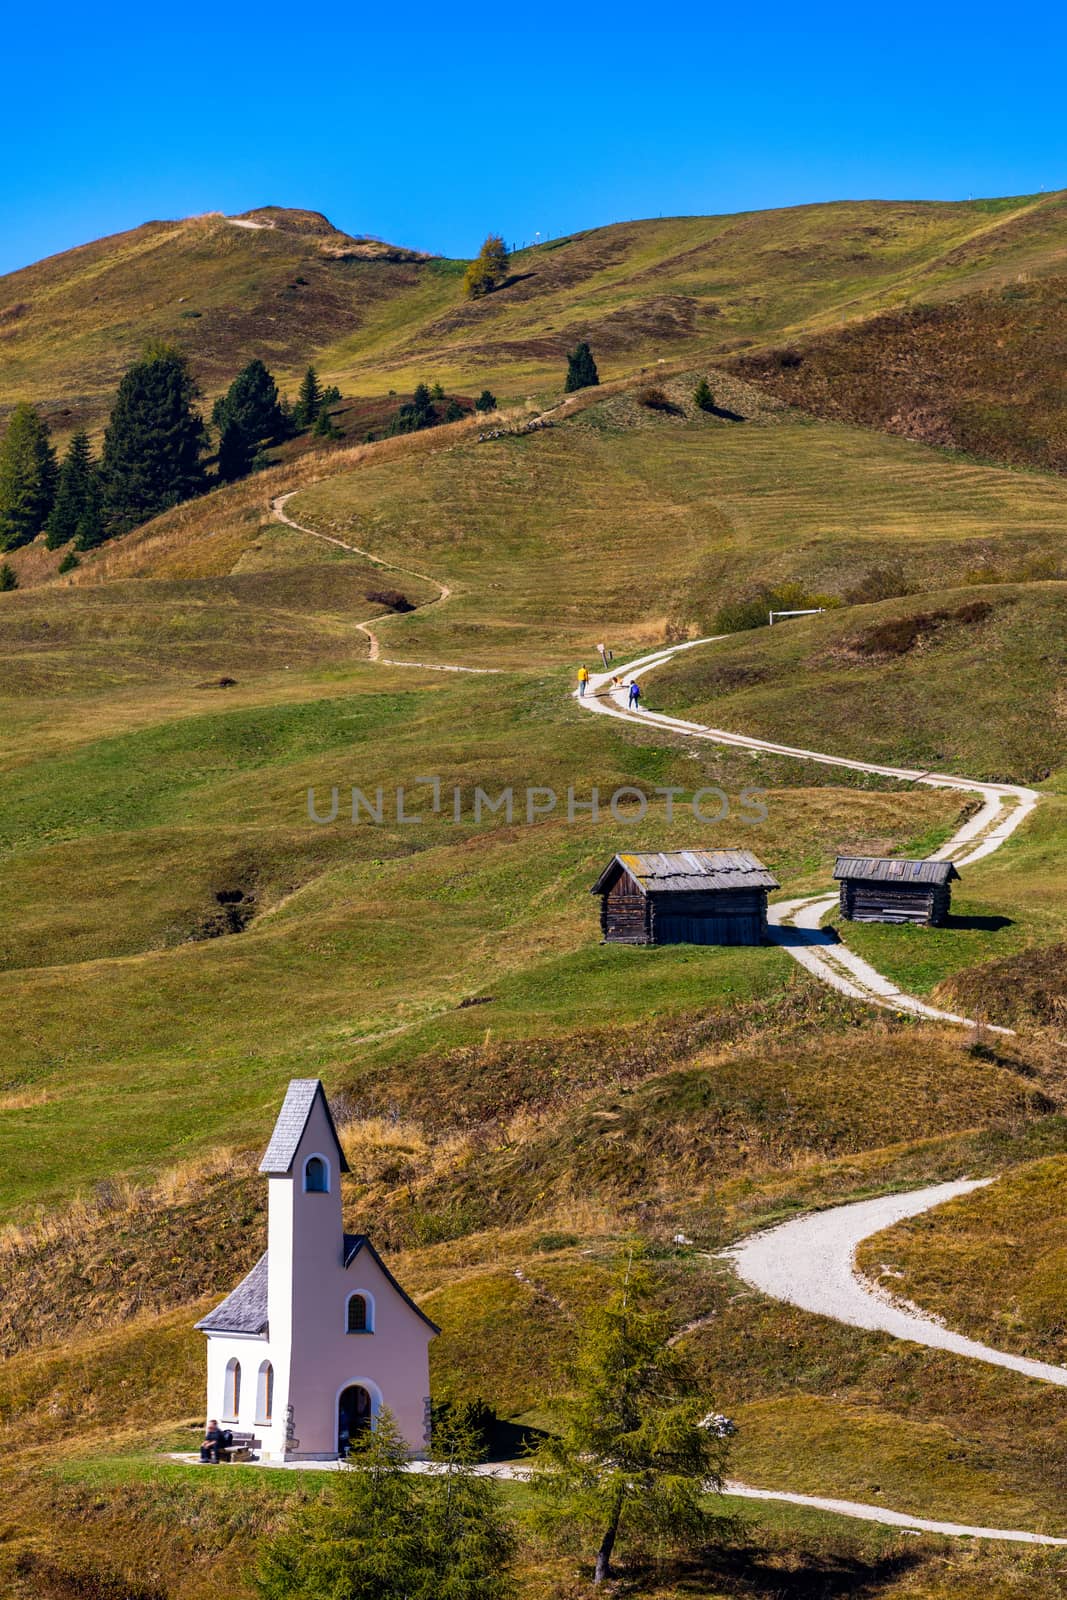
(278, 510)
(795, 924)
(810, 1262)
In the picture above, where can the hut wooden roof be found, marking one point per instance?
(690, 871)
(892, 869)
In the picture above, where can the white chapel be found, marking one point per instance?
(319, 1335)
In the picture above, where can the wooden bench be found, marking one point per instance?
(241, 1447)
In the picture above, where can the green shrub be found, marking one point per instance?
(753, 612)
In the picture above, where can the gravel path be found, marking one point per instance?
(810, 1263)
(509, 1472)
(277, 507)
(795, 924)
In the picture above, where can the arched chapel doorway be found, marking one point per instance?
(355, 1414)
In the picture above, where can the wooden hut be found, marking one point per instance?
(684, 897)
(886, 889)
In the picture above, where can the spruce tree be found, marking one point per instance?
(703, 398)
(324, 428)
(151, 457)
(236, 452)
(309, 400)
(381, 1533)
(631, 1455)
(28, 474)
(90, 530)
(252, 403)
(8, 579)
(454, 412)
(77, 491)
(581, 369)
(486, 401)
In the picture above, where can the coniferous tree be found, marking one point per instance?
(486, 401)
(488, 269)
(381, 1533)
(309, 400)
(76, 492)
(632, 1455)
(252, 403)
(703, 398)
(69, 561)
(324, 428)
(236, 452)
(91, 530)
(581, 369)
(8, 579)
(454, 412)
(28, 475)
(151, 457)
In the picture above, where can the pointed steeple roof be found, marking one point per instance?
(297, 1106)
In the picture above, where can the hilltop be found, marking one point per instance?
(288, 286)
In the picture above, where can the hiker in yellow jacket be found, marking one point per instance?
(583, 679)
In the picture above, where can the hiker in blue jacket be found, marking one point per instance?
(634, 702)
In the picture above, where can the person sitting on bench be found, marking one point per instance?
(214, 1443)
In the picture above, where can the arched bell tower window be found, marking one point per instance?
(359, 1314)
(316, 1175)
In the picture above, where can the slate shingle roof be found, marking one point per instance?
(892, 869)
(691, 871)
(299, 1099)
(244, 1309)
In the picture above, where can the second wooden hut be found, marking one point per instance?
(887, 889)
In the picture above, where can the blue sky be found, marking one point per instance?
(432, 129)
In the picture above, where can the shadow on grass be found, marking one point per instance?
(801, 1574)
(723, 414)
(510, 1441)
(979, 924)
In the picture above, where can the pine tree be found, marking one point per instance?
(90, 530)
(581, 369)
(8, 578)
(69, 561)
(381, 1533)
(309, 400)
(324, 428)
(486, 401)
(468, 1543)
(151, 457)
(236, 452)
(252, 403)
(454, 412)
(632, 1455)
(28, 474)
(78, 489)
(703, 398)
(488, 269)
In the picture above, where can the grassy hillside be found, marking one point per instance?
(982, 374)
(291, 288)
(517, 1100)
